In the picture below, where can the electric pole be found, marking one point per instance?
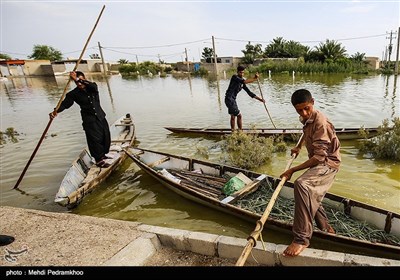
(187, 61)
(396, 68)
(215, 57)
(390, 47)
(105, 70)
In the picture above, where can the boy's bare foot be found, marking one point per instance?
(294, 249)
(330, 229)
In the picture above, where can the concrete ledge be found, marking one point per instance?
(137, 252)
(202, 243)
(311, 257)
(169, 237)
(231, 248)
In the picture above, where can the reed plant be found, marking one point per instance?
(249, 150)
(386, 145)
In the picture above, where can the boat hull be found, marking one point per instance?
(288, 133)
(83, 176)
(152, 162)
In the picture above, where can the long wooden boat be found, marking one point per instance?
(288, 133)
(203, 182)
(84, 175)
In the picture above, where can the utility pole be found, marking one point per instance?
(137, 60)
(390, 47)
(215, 56)
(102, 61)
(187, 61)
(396, 68)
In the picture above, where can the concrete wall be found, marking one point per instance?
(59, 68)
(221, 67)
(34, 67)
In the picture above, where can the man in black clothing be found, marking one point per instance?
(94, 121)
(236, 84)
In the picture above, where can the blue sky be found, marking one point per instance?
(148, 30)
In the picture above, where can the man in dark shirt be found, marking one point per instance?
(94, 121)
(236, 84)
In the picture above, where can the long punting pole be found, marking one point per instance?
(58, 104)
(252, 239)
(265, 106)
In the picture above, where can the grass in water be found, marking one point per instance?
(10, 134)
(248, 150)
(386, 145)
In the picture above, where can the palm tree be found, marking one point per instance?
(295, 49)
(251, 52)
(276, 48)
(331, 50)
(358, 57)
(123, 61)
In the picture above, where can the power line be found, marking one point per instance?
(160, 46)
(342, 39)
(158, 55)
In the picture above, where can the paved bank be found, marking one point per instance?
(63, 239)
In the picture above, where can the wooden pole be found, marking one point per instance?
(265, 106)
(58, 105)
(252, 239)
(105, 70)
(187, 61)
(215, 57)
(396, 68)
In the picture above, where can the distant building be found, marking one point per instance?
(373, 62)
(44, 67)
(223, 64)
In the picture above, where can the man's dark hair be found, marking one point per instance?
(240, 68)
(79, 73)
(301, 96)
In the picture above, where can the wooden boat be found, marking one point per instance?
(202, 182)
(288, 133)
(83, 175)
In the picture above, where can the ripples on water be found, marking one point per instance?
(158, 102)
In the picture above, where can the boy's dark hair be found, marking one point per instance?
(240, 68)
(79, 73)
(301, 96)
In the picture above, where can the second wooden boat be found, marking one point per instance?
(83, 175)
(288, 133)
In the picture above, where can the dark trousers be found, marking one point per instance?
(98, 138)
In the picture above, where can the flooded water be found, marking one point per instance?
(156, 103)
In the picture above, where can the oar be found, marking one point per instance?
(265, 106)
(58, 105)
(252, 239)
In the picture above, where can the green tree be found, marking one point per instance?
(4, 56)
(331, 50)
(358, 57)
(207, 54)
(123, 61)
(276, 48)
(251, 52)
(295, 49)
(45, 52)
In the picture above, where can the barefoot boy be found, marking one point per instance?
(323, 163)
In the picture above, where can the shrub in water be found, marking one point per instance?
(386, 145)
